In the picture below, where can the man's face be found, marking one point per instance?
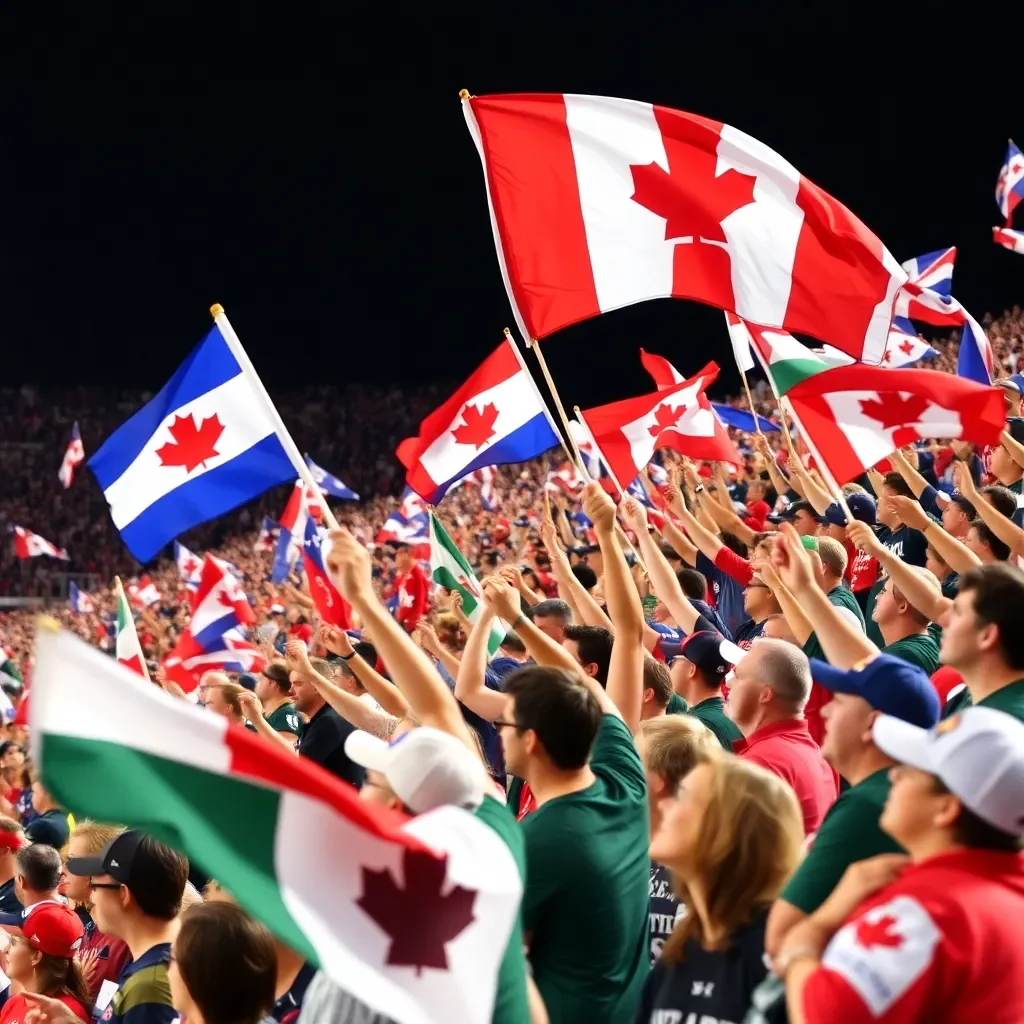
(14, 758)
(747, 692)
(403, 561)
(38, 794)
(755, 491)
(573, 647)
(805, 523)
(304, 695)
(887, 609)
(961, 639)
(778, 629)
(885, 513)
(848, 721)
(954, 522)
(1002, 465)
(757, 599)
(973, 541)
(513, 745)
(265, 688)
(552, 626)
(934, 564)
(375, 790)
(75, 887)
(107, 910)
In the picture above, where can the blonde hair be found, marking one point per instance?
(833, 554)
(751, 837)
(230, 692)
(673, 745)
(95, 834)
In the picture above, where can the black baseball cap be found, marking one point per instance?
(789, 514)
(117, 859)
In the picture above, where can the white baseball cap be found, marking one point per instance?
(425, 767)
(977, 754)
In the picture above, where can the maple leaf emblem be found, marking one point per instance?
(419, 920)
(690, 196)
(879, 933)
(477, 426)
(190, 567)
(665, 417)
(192, 445)
(893, 409)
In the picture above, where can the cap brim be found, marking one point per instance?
(367, 751)
(903, 742)
(731, 652)
(86, 867)
(11, 920)
(835, 680)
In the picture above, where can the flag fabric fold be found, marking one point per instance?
(189, 566)
(267, 537)
(74, 456)
(28, 545)
(854, 416)
(127, 648)
(410, 917)
(1009, 239)
(627, 433)
(408, 524)
(204, 445)
(497, 417)
(330, 605)
(597, 203)
(329, 483)
(80, 601)
(449, 569)
(1010, 183)
(291, 535)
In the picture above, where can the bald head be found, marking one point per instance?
(785, 668)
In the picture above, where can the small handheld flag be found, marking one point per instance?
(73, 457)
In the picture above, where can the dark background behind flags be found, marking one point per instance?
(310, 169)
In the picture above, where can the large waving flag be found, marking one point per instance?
(74, 456)
(742, 420)
(408, 524)
(497, 417)
(330, 605)
(213, 638)
(664, 374)
(204, 445)
(598, 203)
(28, 545)
(449, 569)
(1009, 239)
(412, 917)
(1010, 183)
(854, 416)
(627, 433)
(329, 483)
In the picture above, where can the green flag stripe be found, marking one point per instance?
(182, 806)
(789, 372)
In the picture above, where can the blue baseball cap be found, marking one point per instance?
(862, 506)
(710, 652)
(889, 684)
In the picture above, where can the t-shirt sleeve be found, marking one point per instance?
(930, 502)
(615, 755)
(825, 862)
(732, 565)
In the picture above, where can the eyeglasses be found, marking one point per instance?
(104, 885)
(499, 724)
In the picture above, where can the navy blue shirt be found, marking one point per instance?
(728, 594)
(286, 1009)
(487, 733)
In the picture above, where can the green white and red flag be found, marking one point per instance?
(126, 643)
(412, 917)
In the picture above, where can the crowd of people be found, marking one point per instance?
(756, 761)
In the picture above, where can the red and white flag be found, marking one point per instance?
(680, 417)
(598, 203)
(126, 643)
(28, 545)
(1009, 239)
(664, 373)
(566, 479)
(144, 593)
(854, 416)
(189, 566)
(73, 457)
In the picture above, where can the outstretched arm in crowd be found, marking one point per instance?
(705, 541)
(778, 478)
(818, 496)
(953, 552)
(470, 687)
(795, 617)
(513, 575)
(429, 697)
(626, 669)
(350, 707)
(1005, 529)
(910, 473)
(584, 608)
(843, 643)
(426, 636)
(384, 692)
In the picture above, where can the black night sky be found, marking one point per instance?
(309, 167)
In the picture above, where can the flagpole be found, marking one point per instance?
(119, 591)
(750, 403)
(290, 448)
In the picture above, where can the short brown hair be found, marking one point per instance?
(673, 745)
(227, 961)
(833, 554)
(657, 678)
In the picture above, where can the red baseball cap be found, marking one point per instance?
(53, 928)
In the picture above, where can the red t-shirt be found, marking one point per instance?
(733, 565)
(943, 944)
(787, 749)
(16, 1009)
(861, 568)
(112, 957)
(412, 597)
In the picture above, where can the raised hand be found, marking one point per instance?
(502, 599)
(350, 567)
(791, 561)
(635, 514)
(910, 512)
(336, 640)
(599, 507)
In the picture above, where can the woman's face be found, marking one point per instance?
(19, 960)
(179, 993)
(677, 840)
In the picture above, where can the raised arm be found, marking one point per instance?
(1005, 529)
(909, 472)
(953, 552)
(843, 643)
(626, 669)
(429, 697)
(584, 608)
(470, 687)
(253, 711)
(382, 690)
(795, 617)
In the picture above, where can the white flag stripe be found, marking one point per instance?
(147, 480)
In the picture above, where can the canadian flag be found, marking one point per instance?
(144, 593)
(628, 433)
(598, 203)
(1009, 239)
(854, 416)
(566, 479)
(28, 545)
(664, 373)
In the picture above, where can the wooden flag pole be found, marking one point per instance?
(750, 403)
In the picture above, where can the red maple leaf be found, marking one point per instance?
(477, 426)
(666, 417)
(691, 198)
(194, 444)
(418, 918)
(190, 567)
(893, 409)
(879, 933)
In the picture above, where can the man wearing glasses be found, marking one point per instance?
(137, 885)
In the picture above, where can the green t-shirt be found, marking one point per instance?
(711, 712)
(676, 705)
(586, 903)
(840, 597)
(511, 1005)
(850, 832)
(1016, 486)
(1009, 699)
(285, 719)
(920, 649)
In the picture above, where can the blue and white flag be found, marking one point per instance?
(329, 483)
(81, 602)
(204, 445)
(741, 419)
